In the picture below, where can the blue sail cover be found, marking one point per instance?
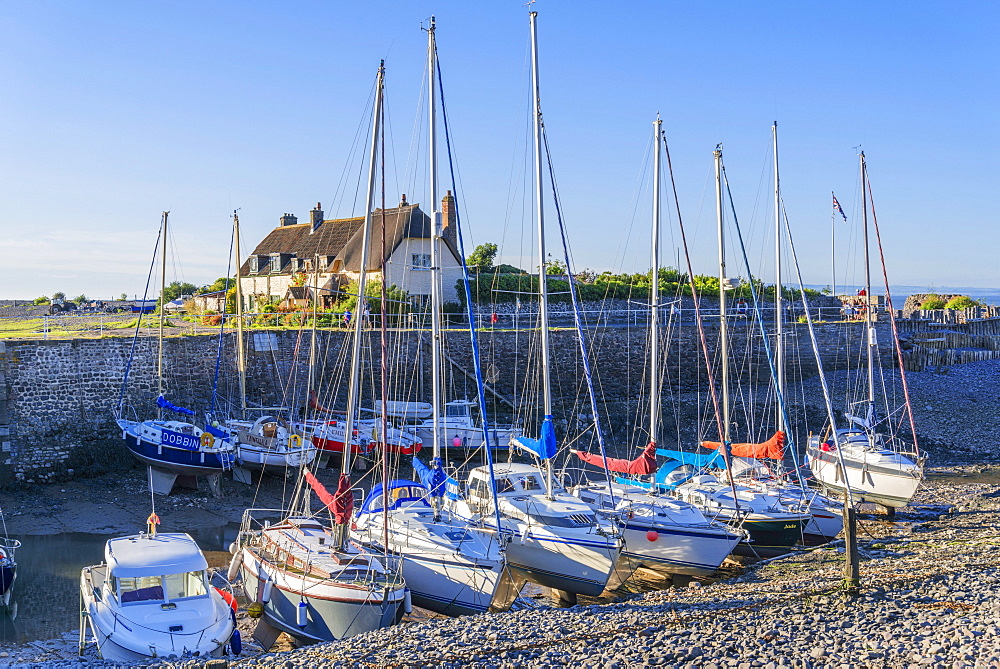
(163, 403)
(216, 432)
(545, 446)
(433, 476)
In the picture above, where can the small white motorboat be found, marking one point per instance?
(152, 599)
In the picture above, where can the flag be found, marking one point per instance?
(837, 208)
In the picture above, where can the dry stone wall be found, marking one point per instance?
(58, 398)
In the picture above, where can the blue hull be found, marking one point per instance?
(177, 460)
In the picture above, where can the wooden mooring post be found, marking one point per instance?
(852, 571)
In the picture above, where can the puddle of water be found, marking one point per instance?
(991, 475)
(46, 593)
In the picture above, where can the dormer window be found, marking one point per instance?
(275, 262)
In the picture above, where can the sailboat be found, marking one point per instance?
(449, 565)
(557, 540)
(151, 598)
(458, 428)
(660, 532)
(862, 459)
(268, 443)
(309, 579)
(773, 527)
(172, 448)
(8, 563)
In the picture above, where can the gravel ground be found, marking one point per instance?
(930, 588)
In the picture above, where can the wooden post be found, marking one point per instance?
(852, 574)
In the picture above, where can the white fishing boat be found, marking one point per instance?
(151, 598)
(867, 460)
(269, 444)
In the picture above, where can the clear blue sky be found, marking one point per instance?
(114, 111)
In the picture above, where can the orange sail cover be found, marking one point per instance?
(773, 448)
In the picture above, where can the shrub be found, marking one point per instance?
(961, 302)
(211, 319)
(41, 300)
(933, 302)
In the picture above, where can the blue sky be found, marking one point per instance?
(114, 111)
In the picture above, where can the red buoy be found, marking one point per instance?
(652, 535)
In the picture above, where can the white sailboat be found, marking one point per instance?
(458, 428)
(661, 533)
(309, 580)
(557, 540)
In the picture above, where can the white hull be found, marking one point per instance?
(465, 436)
(873, 475)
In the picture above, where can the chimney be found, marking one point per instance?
(403, 202)
(289, 219)
(316, 217)
(449, 226)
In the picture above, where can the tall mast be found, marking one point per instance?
(654, 294)
(543, 289)
(353, 389)
(436, 235)
(779, 312)
(723, 324)
(867, 302)
(241, 356)
(163, 308)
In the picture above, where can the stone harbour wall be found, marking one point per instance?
(58, 398)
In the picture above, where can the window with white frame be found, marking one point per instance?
(421, 261)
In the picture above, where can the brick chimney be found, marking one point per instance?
(403, 202)
(449, 226)
(289, 219)
(316, 217)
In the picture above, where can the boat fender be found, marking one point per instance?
(407, 601)
(652, 535)
(236, 642)
(295, 441)
(228, 596)
(302, 615)
(255, 610)
(265, 595)
(207, 440)
(234, 565)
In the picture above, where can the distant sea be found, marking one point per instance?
(988, 296)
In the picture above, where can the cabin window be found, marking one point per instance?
(140, 589)
(454, 410)
(421, 260)
(530, 483)
(189, 584)
(505, 485)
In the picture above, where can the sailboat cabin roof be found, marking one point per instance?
(340, 240)
(146, 555)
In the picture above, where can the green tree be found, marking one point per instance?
(176, 289)
(42, 300)
(59, 296)
(933, 302)
(555, 267)
(80, 299)
(482, 257)
(220, 284)
(961, 302)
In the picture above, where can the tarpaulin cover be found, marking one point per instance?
(545, 446)
(433, 476)
(162, 402)
(643, 465)
(341, 503)
(773, 448)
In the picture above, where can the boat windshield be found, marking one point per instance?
(153, 588)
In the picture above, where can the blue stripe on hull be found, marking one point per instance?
(179, 460)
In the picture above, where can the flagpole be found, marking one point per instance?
(833, 246)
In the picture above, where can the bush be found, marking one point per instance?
(933, 302)
(211, 319)
(42, 300)
(961, 302)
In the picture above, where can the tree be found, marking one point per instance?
(482, 257)
(41, 300)
(59, 296)
(220, 284)
(80, 299)
(176, 289)
(933, 302)
(124, 296)
(555, 267)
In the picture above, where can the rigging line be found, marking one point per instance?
(138, 324)
(222, 325)
(815, 347)
(581, 335)
(892, 314)
(763, 332)
(473, 336)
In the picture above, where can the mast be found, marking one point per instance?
(436, 236)
(163, 307)
(779, 312)
(833, 247)
(543, 289)
(353, 389)
(654, 294)
(723, 325)
(867, 302)
(241, 356)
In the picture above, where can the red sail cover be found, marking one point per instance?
(773, 448)
(643, 465)
(341, 503)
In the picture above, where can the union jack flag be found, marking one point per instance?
(837, 208)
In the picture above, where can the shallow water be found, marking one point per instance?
(45, 603)
(991, 475)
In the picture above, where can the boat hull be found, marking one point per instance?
(770, 537)
(675, 549)
(335, 611)
(178, 460)
(575, 567)
(468, 437)
(889, 485)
